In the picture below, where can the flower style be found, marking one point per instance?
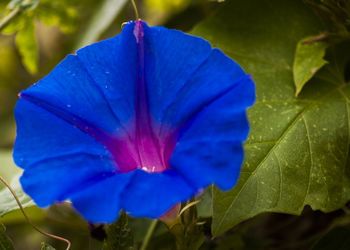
(138, 122)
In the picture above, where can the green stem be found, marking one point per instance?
(135, 9)
(149, 235)
(7, 19)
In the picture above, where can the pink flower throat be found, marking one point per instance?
(143, 150)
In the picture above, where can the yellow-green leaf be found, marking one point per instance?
(307, 61)
(45, 246)
(57, 13)
(27, 46)
(11, 173)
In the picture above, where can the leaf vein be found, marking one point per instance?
(311, 159)
(293, 122)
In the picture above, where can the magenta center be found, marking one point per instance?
(142, 148)
(144, 151)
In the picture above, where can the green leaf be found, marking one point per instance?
(15, 25)
(27, 45)
(297, 150)
(140, 226)
(187, 230)
(45, 246)
(23, 4)
(167, 6)
(11, 174)
(308, 60)
(205, 207)
(165, 241)
(336, 239)
(231, 241)
(5, 242)
(119, 235)
(17, 8)
(57, 13)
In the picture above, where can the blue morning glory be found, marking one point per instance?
(138, 122)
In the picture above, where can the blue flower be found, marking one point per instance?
(138, 122)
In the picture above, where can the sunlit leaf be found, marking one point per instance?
(57, 13)
(24, 4)
(11, 174)
(167, 5)
(14, 26)
(297, 151)
(27, 46)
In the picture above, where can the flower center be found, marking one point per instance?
(143, 150)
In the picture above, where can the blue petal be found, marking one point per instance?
(70, 88)
(203, 95)
(112, 64)
(217, 75)
(182, 86)
(59, 125)
(152, 194)
(213, 113)
(58, 178)
(171, 57)
(100, 201)
(42, 135)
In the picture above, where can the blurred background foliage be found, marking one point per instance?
(43, 32)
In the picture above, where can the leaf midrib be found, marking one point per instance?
(271, 150)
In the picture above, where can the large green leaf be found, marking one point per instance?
(11, 174)
(297, 151)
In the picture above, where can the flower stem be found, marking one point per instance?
(29, 220)
(135, 9)
(149, 234)
(7, 19)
